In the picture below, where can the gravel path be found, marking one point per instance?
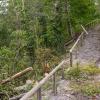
(63, 92)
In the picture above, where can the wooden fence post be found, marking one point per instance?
(54, 85)
(82, 40)
(71, 59)
(62, 76)
(39, 96)
(93, 97)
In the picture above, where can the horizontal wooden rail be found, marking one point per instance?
(42, 82)
(76, 42)
(84, 30)
(80, 38)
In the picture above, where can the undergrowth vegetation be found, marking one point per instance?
(33, 33)
(84, 79)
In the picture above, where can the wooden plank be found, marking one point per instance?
(71, 50)
(84, 30)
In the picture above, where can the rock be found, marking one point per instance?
(29, 83)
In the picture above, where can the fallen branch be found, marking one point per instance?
(69, 42)
(72, 39)
(16, 75)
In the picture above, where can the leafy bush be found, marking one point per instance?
(74, 73)
(87, 87)
(90, 89)
(90, 70)
(82, 72)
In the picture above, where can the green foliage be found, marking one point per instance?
(8, 90)
(82, 13)
(82, 72)
(4, 35)
(91, 89)
(83, 83)
(86, 88)
(18, 39)
(74, 73)
(90, 70)
(33, 32)
(5, 61)
(45, 56)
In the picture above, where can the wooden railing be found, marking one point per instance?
(37, 88)
(80, 40)
(92, 23)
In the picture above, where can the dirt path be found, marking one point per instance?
(63, 92)
(90, 51)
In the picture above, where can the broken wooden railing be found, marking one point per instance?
(16, 75)
(38, 87)
(79, 42)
